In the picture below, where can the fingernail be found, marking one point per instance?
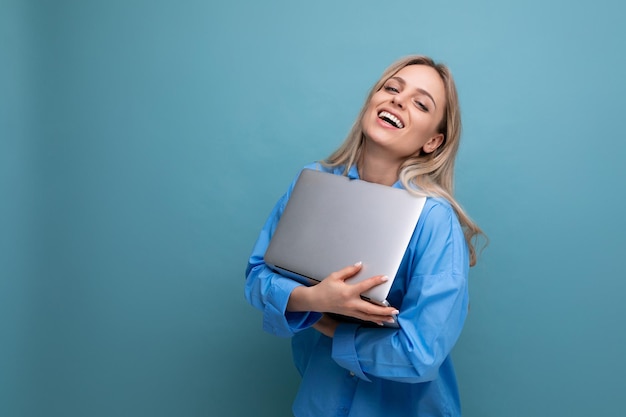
(391, 321)
(384, 278)
(358, 263)
(395, 312)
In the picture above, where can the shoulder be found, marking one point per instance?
(439, 221)
(316, 166)
(319, 166)
(439, 209)
(439, 241)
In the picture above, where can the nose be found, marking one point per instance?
(398, 100)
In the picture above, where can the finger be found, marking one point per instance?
(378, 319)
(347, 272)
(370, 283)
(386, 317)
(372, 310)
(367, 311)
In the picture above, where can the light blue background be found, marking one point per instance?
(143, 143)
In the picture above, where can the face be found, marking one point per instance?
(402, 117)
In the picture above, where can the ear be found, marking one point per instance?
(433, 143)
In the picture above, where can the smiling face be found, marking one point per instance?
(402, 118)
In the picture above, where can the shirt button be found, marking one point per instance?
(351, 373)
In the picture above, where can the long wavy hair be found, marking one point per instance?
(424, 174)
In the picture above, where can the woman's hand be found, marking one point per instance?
(326, 325)
(334, 295)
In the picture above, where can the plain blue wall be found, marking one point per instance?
(143, 143)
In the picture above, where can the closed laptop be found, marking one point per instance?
(332, 221)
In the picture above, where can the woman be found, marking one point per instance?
(406, 136)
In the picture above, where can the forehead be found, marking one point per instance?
(425, 78)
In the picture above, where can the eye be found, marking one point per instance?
(391, 89)
(421, 105)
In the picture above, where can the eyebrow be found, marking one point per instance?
(419, 90)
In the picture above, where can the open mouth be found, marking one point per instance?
(391, 119)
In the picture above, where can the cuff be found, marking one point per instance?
(277, 320)
(344, 349)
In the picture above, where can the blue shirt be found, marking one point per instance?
(371, 372)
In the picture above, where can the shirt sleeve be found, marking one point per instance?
(432, 312)
(269, 291)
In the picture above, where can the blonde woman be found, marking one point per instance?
(406, 136)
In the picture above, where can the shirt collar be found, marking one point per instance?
(353, 173)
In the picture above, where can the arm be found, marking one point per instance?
(334, 295)
(269, 291)
(432, 313)
(289, 306)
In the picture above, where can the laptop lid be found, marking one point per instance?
(332, 221)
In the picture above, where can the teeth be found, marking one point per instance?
(392, 118)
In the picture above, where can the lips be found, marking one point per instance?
(392, 119)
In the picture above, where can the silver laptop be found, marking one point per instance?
(332, 221)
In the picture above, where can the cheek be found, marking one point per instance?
(369, 117)
(428, 125)
(364, 123)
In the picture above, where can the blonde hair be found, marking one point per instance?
(430, 174)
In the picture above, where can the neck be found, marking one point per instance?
(378, 170)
